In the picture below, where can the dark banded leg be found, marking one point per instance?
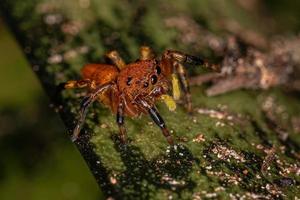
(184, 83)
(120, 122)
(160, 122)
(189, 59)
(154, 114)
(86, 102)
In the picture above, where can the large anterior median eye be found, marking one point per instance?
(153, 79)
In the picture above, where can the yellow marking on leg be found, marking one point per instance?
(146, 53)
(116, 59)
(77, 84)
(175, 86)
(169, 101)
(70, 84)
(93, 85)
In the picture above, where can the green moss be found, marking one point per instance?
(147, 138)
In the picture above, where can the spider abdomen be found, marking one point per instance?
(100, 73)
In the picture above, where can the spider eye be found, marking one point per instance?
(158, 70)
(128, 82)
(153, 79)
(146, 84)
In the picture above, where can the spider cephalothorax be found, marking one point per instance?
(142, 79)
(133, 89)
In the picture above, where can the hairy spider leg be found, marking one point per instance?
(189, 59)
(167, 64)
(154, 114)
(182, 57)
(146, 53)
(184, 83)
(79, 84)
(86, 102)
(115, 57)
(173, 61)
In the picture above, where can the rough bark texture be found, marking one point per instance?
(229, 147)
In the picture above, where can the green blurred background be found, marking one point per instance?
(37, 160)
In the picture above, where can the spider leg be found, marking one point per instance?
(77, 84)
(174, 80)
(172, 64)
(86, 102)
(120, 121)
(158, 120)
(189, 59)
(184, 83)
(175, 86)
(73, 84)
(146, 53)
(115, 57)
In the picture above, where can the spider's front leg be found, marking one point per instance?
(172, 60)
(184, 83)
(189, 59)
(158, 120)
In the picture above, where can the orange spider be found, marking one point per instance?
(132, 89)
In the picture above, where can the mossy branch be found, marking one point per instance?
(221, 147)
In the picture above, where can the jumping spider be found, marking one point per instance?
(133, 89)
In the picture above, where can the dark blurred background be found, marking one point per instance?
(37, 160)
